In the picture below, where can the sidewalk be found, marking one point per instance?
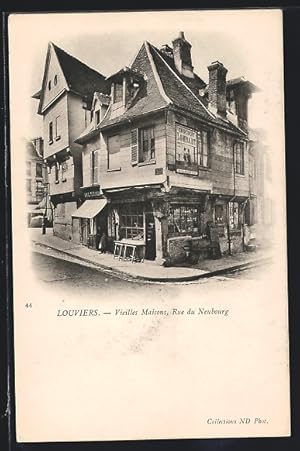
(148, 270)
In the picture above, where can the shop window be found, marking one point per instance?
(147, 144)
(39, 170)
(50, 132)
(57, 128)
(184, 220)
(94, 167)
(113, 146)
(131, 224)
(233, 214)
(118, 93)
(239, 158)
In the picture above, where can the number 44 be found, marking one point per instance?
(28, 305)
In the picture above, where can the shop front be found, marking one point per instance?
(132, 223)
(89, 222)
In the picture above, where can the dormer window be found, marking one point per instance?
(118, 93)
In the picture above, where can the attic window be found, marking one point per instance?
(49, 85)
(55, 80)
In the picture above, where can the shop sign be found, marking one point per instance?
(186, 150)
(92, 192)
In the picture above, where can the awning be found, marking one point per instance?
(90, 208)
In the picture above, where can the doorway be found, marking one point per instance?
(150, 251)
(84, 231)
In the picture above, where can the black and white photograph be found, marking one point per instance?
(149, 225)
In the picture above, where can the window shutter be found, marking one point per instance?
(134, 146)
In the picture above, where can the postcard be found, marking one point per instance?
(149, 225)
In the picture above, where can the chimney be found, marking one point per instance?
(182, 56)
(217, 88)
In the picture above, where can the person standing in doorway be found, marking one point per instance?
(103, 243)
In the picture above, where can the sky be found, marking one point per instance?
(244, 41)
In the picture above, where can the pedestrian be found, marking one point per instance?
(103, 243)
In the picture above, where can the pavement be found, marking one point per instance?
(149, 270)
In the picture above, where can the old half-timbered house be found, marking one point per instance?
(65, 103)
(172, 156)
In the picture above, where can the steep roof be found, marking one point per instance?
(79, 76)
(164, 87)
(151, 97)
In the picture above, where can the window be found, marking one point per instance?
(39, 170)
(55, 80)
(113, 146)
(56, 173)
(97, 115)
(49, 85)
(203, 148)
(239, 158)
(94, 167)
(183, 220)
(28, 168)
(39, 190)
(57, 128)
(132, 223)
(50, 132)
(64, 170)
(147, 144)
(233, 213)
(118, 92)
(92, 115)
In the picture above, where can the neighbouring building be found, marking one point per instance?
(165, 157)
(261, 206)
(65, 102)
(36, 174)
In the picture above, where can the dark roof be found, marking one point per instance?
(175, 88)
(194, 84)
(80, 78)
(149, 98)
(163, 87)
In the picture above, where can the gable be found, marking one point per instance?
(54, 81)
